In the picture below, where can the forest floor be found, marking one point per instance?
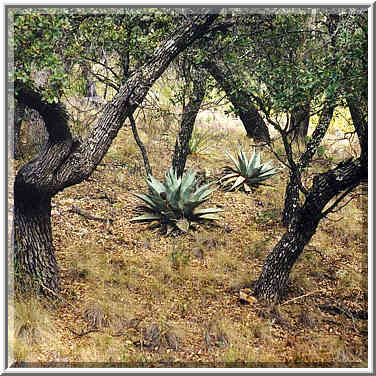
(131, 297)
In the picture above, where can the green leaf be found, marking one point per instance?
(155, 184)
(207, 211)
(145, 217)
(210, 216)
(183, 225)
(238, 181)
(236, 163)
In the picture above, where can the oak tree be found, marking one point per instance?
(64, 161)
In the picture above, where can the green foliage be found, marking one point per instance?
(37, 40)
(174, 203)
(286, 60)
(56, 40)
(246, 172)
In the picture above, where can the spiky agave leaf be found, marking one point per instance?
(236, 162)
(243, 162)
(202, 192)
(247, 172)
(207, 213)
(210, 216)
(183, 224)
(239, 180)
(146, 217)
(148, 200)
(177, 200)
(188, 183)
(155, 185)
(172, 182)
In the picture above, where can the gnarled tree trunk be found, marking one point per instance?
(272, 282)
(35, 184)
(190, 112)
(34, 254)
(65, 162)
(337, 182)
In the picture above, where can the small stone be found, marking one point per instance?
(245, 296)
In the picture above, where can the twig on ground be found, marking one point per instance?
(82, 333)
(301, 296)
(89, 216)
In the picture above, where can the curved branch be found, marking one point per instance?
(130, 96)
(41, 174)
(54, 114)
(342, 179)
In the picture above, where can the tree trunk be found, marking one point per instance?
(243, 103)
(36, 134)
(359, 115)
(299, 124)
(292, 201)
(340, 181)
(34, 186)
(34, 254)
(272, 282)
(190, 112)
(19, 114)
(65, 162)
(90, 89)
(274, 277)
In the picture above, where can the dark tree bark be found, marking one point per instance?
(35, 185)
(36, 133)
(299, 124)
(359, 115)
(242, 101)
(190, 112)
(65, 162)
(19, 115)
(90, 89)
(272, 282)
(292, 201)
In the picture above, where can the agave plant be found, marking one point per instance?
(174, 203)
(247, 172)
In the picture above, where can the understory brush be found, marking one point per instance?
(132, 297)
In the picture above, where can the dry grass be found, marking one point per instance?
(132, 297)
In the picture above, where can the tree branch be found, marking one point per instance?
(129, 97)
(339, 199)
(140, 145)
